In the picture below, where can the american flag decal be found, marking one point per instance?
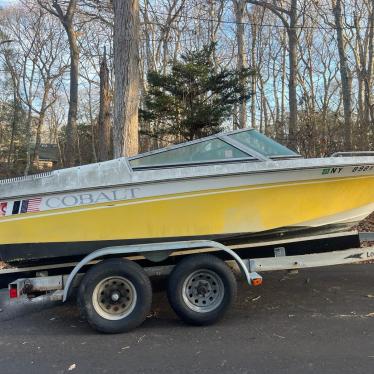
(27, 206)
(32, 205)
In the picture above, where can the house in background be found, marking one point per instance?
(48, 156)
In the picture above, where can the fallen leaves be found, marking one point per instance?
(72, 367)
(141, 338)
(367, 225)
(279, 336)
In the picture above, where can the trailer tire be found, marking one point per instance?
(201, 288)
(115, 296)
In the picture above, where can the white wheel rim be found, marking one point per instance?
(203, 291)
(114, 298)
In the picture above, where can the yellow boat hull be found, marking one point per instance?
(245, 209)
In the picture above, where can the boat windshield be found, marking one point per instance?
(206, 151)
(241, 145)
(262, 144)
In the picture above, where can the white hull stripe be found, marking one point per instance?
(137, 189)
(165, 198)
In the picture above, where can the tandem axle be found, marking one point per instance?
(114, 291)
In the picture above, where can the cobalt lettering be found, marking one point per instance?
(87, 198)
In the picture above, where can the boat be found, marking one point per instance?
(231, 187)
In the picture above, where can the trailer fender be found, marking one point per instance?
(251, 277)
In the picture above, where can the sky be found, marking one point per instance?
(7, 2)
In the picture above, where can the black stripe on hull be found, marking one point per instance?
(56, 252)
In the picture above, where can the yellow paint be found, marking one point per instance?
(231, 210)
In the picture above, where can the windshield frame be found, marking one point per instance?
(252, 154)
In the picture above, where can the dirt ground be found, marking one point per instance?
(367, 225)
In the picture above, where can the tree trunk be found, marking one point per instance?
(253, 77)
(126, 71)
(67, 20)
(212, 30)
(239, 7)
(289, 18)
(292, 41)
(15, 120)
(29, 103)
(71, 127)
(150, 60)
(38, 140)
(346, 78)
(361, 132)
(369, 106)
(281, 127)
(28, 140)
(104, 114)
(93, 123)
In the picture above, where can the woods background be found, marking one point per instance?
(75, 73)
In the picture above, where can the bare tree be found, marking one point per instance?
(104, 114)
(289, 18)
(239, 9)
(361, 45)
(15, 76)
(126, 71)
(40, 45)
(5, 42)
(66, 16)
(255, 16)
(370, 66)
(345, 74)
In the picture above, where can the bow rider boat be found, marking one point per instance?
(229, 187)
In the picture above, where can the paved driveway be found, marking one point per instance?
(317, 321)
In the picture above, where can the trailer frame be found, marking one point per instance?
(59, 287)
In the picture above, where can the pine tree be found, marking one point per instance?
(194, 99)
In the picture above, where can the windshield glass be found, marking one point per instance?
(210, 150)
(262, 144)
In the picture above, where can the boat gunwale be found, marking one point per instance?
(219, 174)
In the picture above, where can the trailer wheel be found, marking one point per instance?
(115, 296)
(201, 288)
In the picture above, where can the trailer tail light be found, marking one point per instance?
(256, 282)
(13, 293)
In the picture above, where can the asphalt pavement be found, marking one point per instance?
(317, 321)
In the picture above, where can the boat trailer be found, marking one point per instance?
(114, 291)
